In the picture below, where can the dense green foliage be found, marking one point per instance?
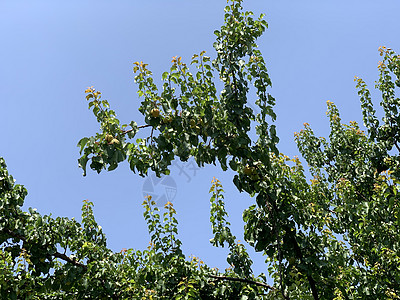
(336, 237)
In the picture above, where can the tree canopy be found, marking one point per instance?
(334, 236)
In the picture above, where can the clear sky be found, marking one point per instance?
(52, 50)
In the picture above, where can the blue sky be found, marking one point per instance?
(52, 50)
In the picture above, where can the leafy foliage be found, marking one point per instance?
(334, 237)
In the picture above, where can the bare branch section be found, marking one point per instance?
(139, 127)
(397, 146)
(68, 259)
(264, 285)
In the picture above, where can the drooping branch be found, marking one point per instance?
(264, 285)
(56, 254)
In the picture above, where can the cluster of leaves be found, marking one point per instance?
(336, 237)
(188, 118)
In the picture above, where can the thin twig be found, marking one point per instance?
(202, 68)
(184, 77)
(151, 136)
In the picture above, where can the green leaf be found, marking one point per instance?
(82, 143)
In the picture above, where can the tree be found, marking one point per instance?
(336, 237)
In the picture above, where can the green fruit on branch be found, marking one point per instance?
(248, 170)
(155, 112)
(167, 119)
(109, 138)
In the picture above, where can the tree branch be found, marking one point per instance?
(139, 127)
(264, 285)
(310, 279)
(397, 146)
(69, 260)
(56, 254)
